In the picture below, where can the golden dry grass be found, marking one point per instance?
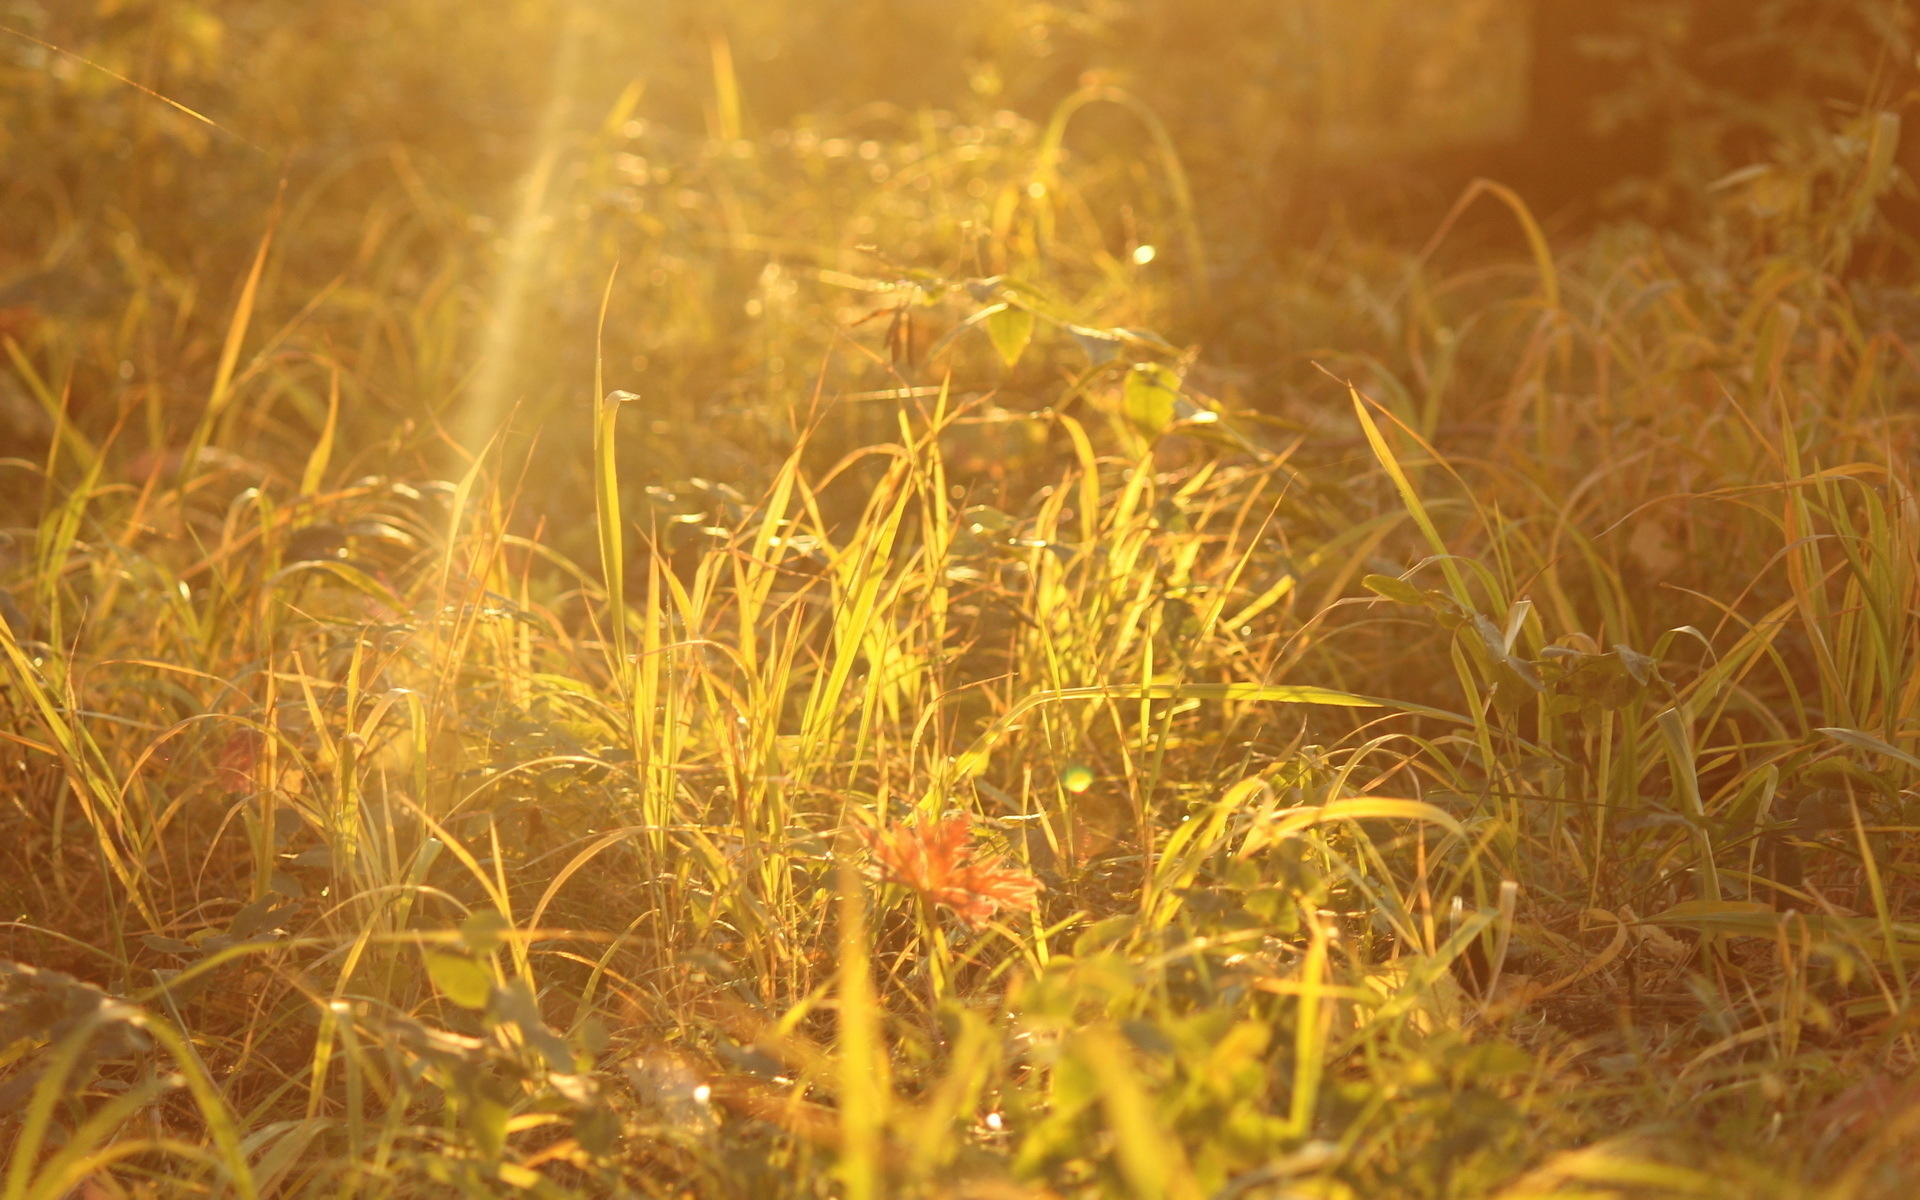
(475, 677)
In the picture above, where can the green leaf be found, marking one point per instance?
(484, 931)
(1598, 681)
(516, 1176)
(1290, 821)
(597, 1129)
(1010, 329)
(1448, 611)
(1398, 590)
(1871, 744)
(1507, 667)
(258, 917)
(463, 980)
(1149, 397)
(1638, 665)
(1491, 638)
(515, 1004)
(486, 1120)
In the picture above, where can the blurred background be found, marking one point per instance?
(795, 193)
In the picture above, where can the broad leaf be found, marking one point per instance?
(1149, 398)
(463, 980)
(1398, 590)
(1010, 329)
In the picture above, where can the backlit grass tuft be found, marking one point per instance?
(913, 726)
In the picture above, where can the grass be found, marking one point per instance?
(1485, 767)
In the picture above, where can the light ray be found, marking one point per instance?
(494, 378)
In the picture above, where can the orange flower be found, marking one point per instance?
(939, 860)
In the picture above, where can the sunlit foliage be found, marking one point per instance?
(1101, 598)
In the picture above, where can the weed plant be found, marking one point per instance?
(775, 667)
